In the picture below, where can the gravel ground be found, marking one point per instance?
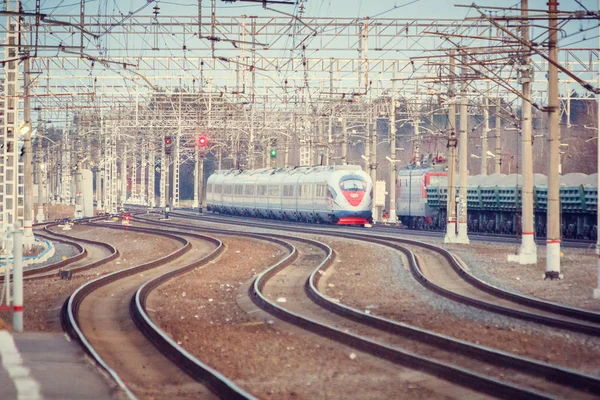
(43, 298)
(488, 261)
(200, 311)
(60, 250)
(392, 292)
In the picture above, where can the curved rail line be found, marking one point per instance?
(30, 273)
(219, 384)
(589, 321)
(383, 229)
(452, 373)
(70, 310)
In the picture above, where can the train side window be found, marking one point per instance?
(273, 190)
(209, 188)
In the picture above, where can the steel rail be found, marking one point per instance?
(30, 273)
(70, 309)
(452, 373)
(479, 236)
(564, 376)
(457, 375)
(217, 382)
(114, 252)
(588, 317)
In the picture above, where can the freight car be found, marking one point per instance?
(494, 202)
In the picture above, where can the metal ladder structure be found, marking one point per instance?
(176, 171)
(65, 183)
(133, 175)
(143, 174)
(163, 176)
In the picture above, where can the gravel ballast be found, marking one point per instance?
(200, 311)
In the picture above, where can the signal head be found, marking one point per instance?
(273, 153)
(202, 141)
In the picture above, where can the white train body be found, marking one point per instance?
(340, 194)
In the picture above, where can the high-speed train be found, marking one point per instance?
(338, 194)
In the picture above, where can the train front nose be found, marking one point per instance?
(354, 198)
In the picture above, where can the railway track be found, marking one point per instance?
(92, 254)
(392, 230)
(103, 315)
(457, 284)
(429, 351)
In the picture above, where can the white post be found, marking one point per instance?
(393, 172)
(29, 168)
(196, 175)
(553, 215)
(484, 133)
(450, 236)
(463, 156)
(143, 172)
(528, 250)
(41, 172)
(18, 277)
(596, 293)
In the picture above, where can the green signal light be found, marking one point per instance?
(273, 153)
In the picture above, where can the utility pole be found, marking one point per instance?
(164, 165)
(78, 178)
(151, 170)
(596, 293)
(201, 181)
(553, 213)
(528, 251)
(344, 141)
(143, 173)
(417, 139)
(463, 157)
(195, 204)
(123, 188)
(484, 133)
(452, 141)
(40, 169)
(373, 161)
(393, 169)
(28, 238)
(498, 128)
(65, 190)
(133, 191)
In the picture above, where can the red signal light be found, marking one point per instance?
(202, 141)
(168, 140)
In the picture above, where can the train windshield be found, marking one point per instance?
(353, 184)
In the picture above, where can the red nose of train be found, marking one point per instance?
(354, 198)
